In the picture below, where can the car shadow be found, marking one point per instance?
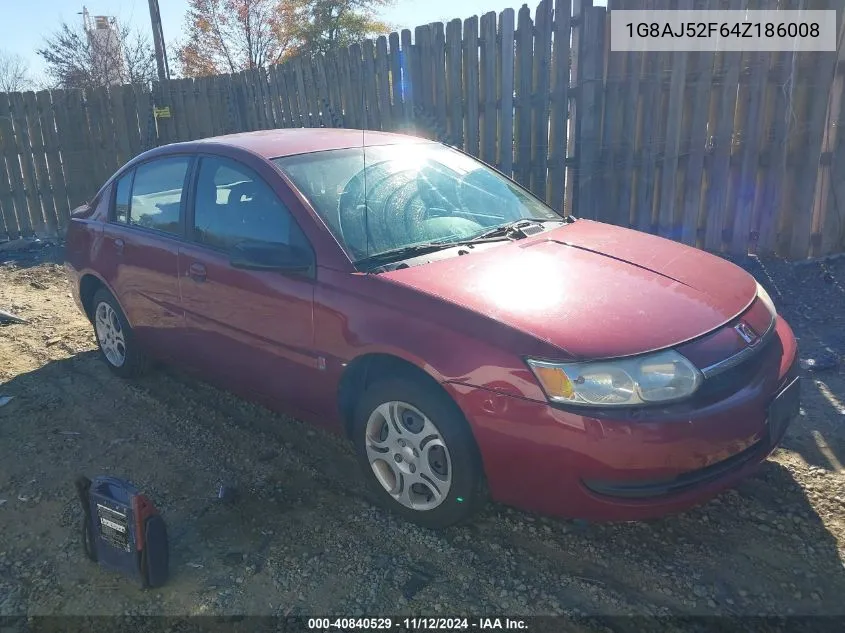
(811, 297)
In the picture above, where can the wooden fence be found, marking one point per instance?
(733, 152)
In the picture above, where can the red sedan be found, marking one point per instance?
(465, 336)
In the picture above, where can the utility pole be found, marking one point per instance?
(158, 41)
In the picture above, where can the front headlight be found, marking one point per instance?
(652, 378)
(763, 296)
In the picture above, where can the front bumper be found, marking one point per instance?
(574, 464)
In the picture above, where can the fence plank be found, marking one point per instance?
(382, 80)
(267, 117)
(577, 45)
(395, 80)
(335, 91)
(311, 96)
(504, 90)
(439, 59)
(523, 67)
(10, 189)
(130, 113)
(559, 108)
(274, 96)
(9, 219)
(253, 94)
(454, 83)
(48, 116)
(826, 219)
(318, 79)
(44, 214)
(743, 193)
(589, 126)
(189, 115)
(643, 174)
(694, 169)
(184, 107)
(204, 114)
(219, 106)
(409, 75)
(630, 109)
(240, 82)
(107, 125)
(819, 76)
(370, 87)
(540, 98)
(42, 178)
(121, 133)
(359, 90)
(471, 85)
(487, 77)
(228, 112)
(424, 95)
(613, 135)
(287, 95)
(288, 79)
(34, 223)
(71, 127)
(298, 87)
(168, 125)
(668, 210)
(354, 91)
(722, 118)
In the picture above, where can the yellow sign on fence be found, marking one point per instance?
(162, 113)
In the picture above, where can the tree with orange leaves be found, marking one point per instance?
(226, 36)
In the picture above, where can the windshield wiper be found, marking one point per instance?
(406, 252)
(510, 227)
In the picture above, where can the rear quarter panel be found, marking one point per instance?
(84, 242)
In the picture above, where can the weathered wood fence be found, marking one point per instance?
(733, 152)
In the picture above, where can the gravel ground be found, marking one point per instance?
(304, 538)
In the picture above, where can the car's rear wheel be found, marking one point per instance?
(115, 337)
(418, 452)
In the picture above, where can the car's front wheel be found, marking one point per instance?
(418, 452)
(115, 337)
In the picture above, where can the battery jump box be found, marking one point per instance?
(123, 531)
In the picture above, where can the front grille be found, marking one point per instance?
(731, 380)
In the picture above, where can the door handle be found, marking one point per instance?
(118, 246)
(197, 272)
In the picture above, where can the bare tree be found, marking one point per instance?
(79, 58)
(14, 73)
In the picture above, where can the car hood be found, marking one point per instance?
(592, 290)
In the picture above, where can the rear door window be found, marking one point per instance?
(158, 192)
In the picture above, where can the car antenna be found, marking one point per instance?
(364, 155)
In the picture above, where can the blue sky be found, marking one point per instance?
(26, 22)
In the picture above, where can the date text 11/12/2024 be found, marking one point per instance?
(329, 625)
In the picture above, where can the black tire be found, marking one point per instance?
(466, 492)
(135, 362)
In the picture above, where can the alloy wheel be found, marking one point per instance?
(110, 334)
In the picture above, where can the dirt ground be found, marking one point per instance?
(304, 538)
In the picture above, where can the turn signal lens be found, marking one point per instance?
(554, 381)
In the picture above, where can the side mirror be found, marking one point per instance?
(257, 255)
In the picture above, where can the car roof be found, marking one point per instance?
(287, 142)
